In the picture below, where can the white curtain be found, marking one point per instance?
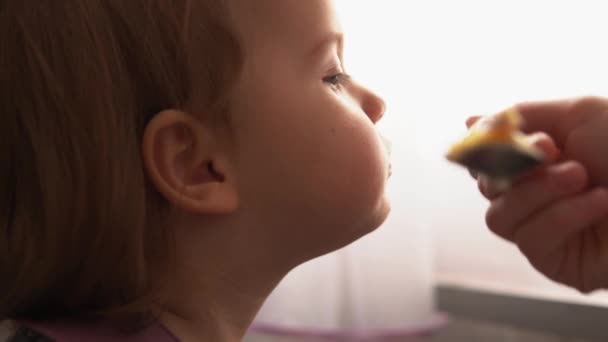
(437, 62)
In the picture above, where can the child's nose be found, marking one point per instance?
(373, 105)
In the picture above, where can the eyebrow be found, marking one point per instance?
(329, 40)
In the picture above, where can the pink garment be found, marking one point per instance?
(90, 332)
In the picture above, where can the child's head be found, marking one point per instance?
(310, 165)
(142, 138)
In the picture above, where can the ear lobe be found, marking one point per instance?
(187, 165)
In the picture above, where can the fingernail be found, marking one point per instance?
(494, 187)
(545, 144)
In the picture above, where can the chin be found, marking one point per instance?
(370, 223)
(339, 235)
(380, 214)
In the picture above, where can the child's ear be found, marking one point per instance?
(188, 165)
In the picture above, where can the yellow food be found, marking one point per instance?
(501, 129)
(495, 146)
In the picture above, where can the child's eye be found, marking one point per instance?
(337, 79)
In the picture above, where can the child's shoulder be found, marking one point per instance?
(25, 334)
(73, 332)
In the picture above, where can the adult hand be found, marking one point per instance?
(558, 214)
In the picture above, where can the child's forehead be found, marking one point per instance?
(306, 21)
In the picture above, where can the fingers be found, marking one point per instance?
(508, 212)
(559, 118)
(472, 120)
(544, 116)
(546, 144)
(491, 189)
(551, 228)
(556, 118)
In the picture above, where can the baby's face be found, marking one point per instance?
(311, 166)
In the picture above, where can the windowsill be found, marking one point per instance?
(575, 316)
(556, 293)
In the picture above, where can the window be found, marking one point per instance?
(437, 62)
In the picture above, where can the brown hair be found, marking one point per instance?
(81, 229)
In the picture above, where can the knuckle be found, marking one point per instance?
(587, 103)
(531, 249)
(560, 216)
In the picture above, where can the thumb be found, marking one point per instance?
(556, 118)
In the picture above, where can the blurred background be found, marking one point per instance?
(436, 63)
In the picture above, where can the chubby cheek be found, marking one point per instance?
(332, 171)
(352, 162)
(355, 169)
(311, 161)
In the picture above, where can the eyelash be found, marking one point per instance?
(337, 79)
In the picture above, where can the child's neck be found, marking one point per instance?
(219, 288)
(219, 314)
